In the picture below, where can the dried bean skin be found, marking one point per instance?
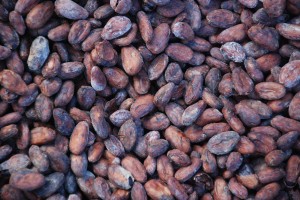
(17, 22)
(145, 26)
(149, 99)
(265, 36)
(215, 20)
(39, 52)
(79, 138)
(19, 180)
(70, 10)
(160, 39)
(13, 82)
(289, 74)
(171, 9)
(233, 51)
(265, 90)
(116, 27)
(39, 15)
(229, 139)
(9, 36)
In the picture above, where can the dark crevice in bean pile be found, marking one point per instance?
(150, 99)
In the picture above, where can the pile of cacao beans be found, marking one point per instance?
(150, 99)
